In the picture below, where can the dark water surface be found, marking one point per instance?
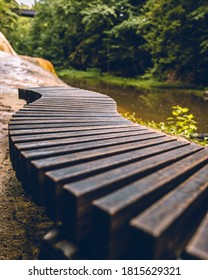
(150, 105)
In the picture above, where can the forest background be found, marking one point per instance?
(164, 39)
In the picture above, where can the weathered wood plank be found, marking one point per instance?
(33, 175)
(114, 212)
(55, 179)
(75, 100)
(64, 129)
(18, 147)
(76, 139)
(77, 105)
(81, 133)
(67, 148)
(63, 124)
(64, 147)
(54, 108)
(78, 196)
(48, 119)
(13, 130)
(162, 231)
(73, 111)
(66, 113)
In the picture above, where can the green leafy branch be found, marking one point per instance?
(180, 123)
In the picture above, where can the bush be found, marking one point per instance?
(180, 123)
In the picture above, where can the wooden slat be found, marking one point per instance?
(80, 105)
(62, 124)
(163, 230)
(66, 134)
(63, 129)
(55, 179)
(76, 95)
(75, 99)
(18, 147)
(73, 111)
(59, 101)
(70, 148)
(51, 128)
(78, 196)
(75, 139)
(81, 119)
(98, 134)
(61, 113)
(114, 211)
(63, 146)
(41, 105)
(33, 175)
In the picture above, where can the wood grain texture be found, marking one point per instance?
(169, 224)
(116, 210)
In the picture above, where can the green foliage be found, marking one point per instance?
(101, 34)
(132, 117)
(140, 83)
(176, 34)
(7, 16)
(20, 36)
(180, 123)
(52, 28)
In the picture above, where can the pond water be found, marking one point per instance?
(151, 104)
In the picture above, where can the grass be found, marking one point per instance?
(139, 82)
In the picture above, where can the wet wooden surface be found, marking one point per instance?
(121, 188)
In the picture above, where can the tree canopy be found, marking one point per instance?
(164, 38)
(176, 32)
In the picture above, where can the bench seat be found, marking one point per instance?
(116, 189)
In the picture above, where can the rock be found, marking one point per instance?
(5, 46)
(17, 72)
(44, 63)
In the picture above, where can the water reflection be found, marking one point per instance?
(150, 105)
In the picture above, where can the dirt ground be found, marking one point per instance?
(22, 223)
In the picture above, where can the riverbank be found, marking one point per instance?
(150, 101)
(92, 76)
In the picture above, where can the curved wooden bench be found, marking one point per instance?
(118, 188)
